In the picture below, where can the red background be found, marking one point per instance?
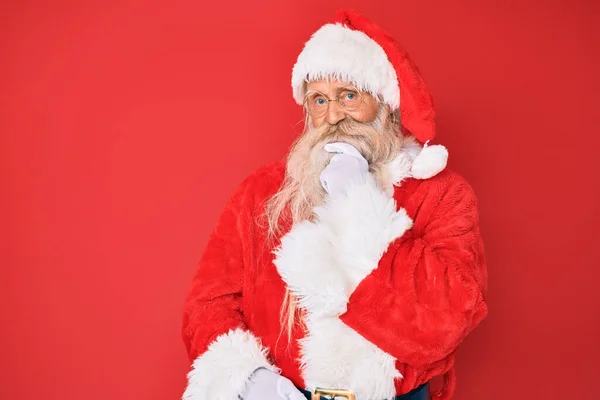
(126, 124)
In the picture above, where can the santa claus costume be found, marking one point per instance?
(388, 285)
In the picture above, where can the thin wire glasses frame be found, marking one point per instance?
(317, 104)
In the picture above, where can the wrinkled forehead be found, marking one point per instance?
(331, 88)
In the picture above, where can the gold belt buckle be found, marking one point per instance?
(333, 393)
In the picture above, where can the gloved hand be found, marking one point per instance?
(346, 167)
(267, 385)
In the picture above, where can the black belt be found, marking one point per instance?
(420, 393)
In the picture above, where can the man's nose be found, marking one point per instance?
(335, 113)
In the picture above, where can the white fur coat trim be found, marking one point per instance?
(401, 166)
(322, 263)
(221, 373)
(338, 52)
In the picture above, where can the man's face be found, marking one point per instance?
(365, 111)
(364, 124)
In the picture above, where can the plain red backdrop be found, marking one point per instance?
(126, 124)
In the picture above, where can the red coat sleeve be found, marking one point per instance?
(427, 291)
(224, 352)
(213, 304)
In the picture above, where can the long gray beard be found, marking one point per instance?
(379, 142)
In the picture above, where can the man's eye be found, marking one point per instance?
(350, 96)
(320, 102)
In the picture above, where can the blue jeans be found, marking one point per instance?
(420, 393)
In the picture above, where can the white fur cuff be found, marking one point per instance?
(222, 372)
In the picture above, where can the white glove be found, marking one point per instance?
(346, 167)
(267, 385)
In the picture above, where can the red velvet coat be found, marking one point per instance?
(389, 289)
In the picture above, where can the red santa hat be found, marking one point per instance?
(353, 49)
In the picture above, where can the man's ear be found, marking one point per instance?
(388, 109)
(394, 115)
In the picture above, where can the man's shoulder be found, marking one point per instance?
(449, 179)
(265, 180)
(271, 174)
(446, 183)
(442, 197)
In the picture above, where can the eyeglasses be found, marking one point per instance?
(317, 103)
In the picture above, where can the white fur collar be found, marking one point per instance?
(400, 167)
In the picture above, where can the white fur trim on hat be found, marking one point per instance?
(337, 52)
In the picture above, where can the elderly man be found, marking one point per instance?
(356, 269)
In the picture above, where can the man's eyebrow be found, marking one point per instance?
(312, 91)
(336, 90)
(345, 88)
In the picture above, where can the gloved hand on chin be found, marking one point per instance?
(346, 167)
(268, 385)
